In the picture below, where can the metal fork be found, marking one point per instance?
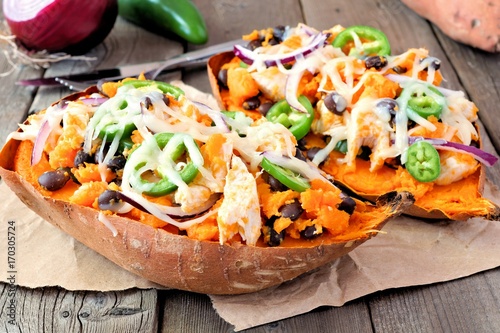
(74, 85)
(183, 61)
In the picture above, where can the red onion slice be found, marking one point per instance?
(479, 154)
(249, 56)
(216, 116)
(93, 101)
(41, 138)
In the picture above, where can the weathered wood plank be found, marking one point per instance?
(58, 310)
(479, 73)
(182, 307)
(466, 305)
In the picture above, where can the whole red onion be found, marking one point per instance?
(69, 26)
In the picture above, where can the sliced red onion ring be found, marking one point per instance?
(249, 56)
(41, 138)
(479, 154)
(216, 116)
(93, 101)
(310, 31)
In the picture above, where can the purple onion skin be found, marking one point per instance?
(74, 33)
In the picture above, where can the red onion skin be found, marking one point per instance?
(78, 27)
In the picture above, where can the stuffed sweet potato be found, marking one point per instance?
(379, 122)
(181, 194)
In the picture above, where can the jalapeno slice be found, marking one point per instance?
(373, 41)
(285, 176)
(299, 123)
(426, 101)
(163, 86)
(162, 168)
(423, 162)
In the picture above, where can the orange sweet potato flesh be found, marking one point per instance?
(158, 253)
(459, 201)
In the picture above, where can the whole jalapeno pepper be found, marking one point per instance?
(299, 123)
(180, 17)
(285, 176)
(163, 164)
(374, 41)
(423, 162)
(163, 86)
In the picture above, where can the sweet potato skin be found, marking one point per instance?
(470, 22)
(177, 261)
(180, 262)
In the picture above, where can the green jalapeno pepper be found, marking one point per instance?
(374, 41)
(163, 86)
(285, 176)
(426, 101)
(180, 17)
(341, 146)
(299, 123)
(174, 146)
(423, 162)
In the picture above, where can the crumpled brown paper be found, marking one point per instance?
(408, 252)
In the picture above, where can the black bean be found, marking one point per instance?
(109, 200)
(82, 157)
(274, 238)
(252, 45)
(252, 103)
(222, 78)
(399, 69)
(311, 152)
(376, 62)
(147, 102)
(302, 144)
(273, 41)
(166, 100)
(347, 205)
(299, 154)
(310, 232)
(388, 104)
(335, 103)
(117, 163)
(364, 153)
(292, 210)
(54, 180)
(278, 32)
(431, 62)
(264, 107)
(276, 185)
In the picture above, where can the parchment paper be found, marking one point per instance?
(408, 252)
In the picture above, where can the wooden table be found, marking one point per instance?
(470, 304)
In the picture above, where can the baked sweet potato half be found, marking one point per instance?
(379, 122)
(181, 194)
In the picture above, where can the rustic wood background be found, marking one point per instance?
(465, 305)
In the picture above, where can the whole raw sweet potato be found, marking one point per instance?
(476, 23)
